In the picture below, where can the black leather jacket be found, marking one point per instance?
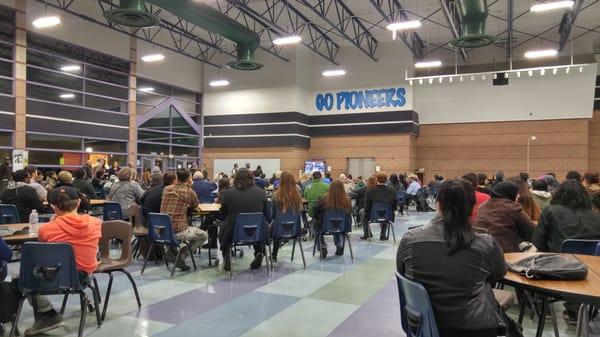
(459, 285)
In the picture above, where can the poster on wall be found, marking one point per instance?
(20, 159)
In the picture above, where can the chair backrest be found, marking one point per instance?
(401, 197)
(120, 230)
(206, 199)
(135, 216)
(160, 229)
(335, 221)
(286, 225)
(48, 268)
(100, 194)
(416, 311)
(112, 211)
(584, 247)
(9, 213)
(381, 211)
(249, 228)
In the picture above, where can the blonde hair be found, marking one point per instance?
(65, 177)
(125, 174)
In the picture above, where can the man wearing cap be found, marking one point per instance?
(82, 232)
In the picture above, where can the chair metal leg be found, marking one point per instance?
(542, 320)
(96, 299)
(150, 249)
(391, 226)
(107, 297)
(270, 258)
(83, 303)
(301, 252)
(15, 322)
(192, 256)
(64, 304)
(175, 262)
(97, 287)
(134, 285)
(583, 321)
(293, 249)
(230, 263)
(165, 250)
(350, 246)
(553, 318)
(315, 244)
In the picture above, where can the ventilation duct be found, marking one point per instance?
(473, 14)
(133, 12)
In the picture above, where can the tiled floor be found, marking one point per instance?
(330, 298)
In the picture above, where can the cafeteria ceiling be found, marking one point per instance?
(328, 27)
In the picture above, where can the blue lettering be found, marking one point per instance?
(355, 101)
(389, 96)
(362, 99)
(401, 94)
(380, 98)
(340, 100)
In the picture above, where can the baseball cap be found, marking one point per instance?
(56, 192)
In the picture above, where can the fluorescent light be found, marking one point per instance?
(46, 21)
(331, 73)
(543, 72)
(428, 64)
(67, 96)
(219, 83)
(146, 89)
(535, 54)
(153, 57)
(70, 67)
(89, 150)
(548, 6)
(280, 41)
(404, 25)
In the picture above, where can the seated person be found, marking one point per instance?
(285, 199)
(596, 202)
(242, 197)
(177, 200)
(480, 197)
(65, 179)
(83, 185)
(203, 188)
(482, 184)
(152, 198)
(413, 187)
(380, 193)
(540, 194)
(335, 199)
(456, 266)
(504, 218)
(126, 191)
(82, 232)
(315, 190)
(33, 182)
(24, 197)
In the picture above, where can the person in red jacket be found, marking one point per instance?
(82, 232)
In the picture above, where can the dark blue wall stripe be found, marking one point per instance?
(76, 113)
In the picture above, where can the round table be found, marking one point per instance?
(579, 291)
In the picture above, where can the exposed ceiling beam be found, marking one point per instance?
(566, 24)
(392, 11)
(341, 18)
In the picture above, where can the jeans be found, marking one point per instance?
(41, 304)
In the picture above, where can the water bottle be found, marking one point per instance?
(34, 220)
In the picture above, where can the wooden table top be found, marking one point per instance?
(209, 208)
(19, 238)
(93, 202)
(585, 291)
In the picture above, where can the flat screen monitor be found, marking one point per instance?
(314, 165)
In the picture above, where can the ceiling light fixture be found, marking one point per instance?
(281, 41)
(146, 89)
(67, 96)
(46, 21)
(153, 57)
(219, 83)
(403, 25)
(333, 73)
(548, 6)
(428, 64)
(70, 67)
(536, 54)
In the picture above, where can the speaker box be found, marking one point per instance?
(500, 79)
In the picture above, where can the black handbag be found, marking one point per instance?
(550, 267)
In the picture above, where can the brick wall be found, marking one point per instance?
(594, 142)
(453, 149)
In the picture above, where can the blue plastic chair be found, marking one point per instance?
(584, 247)
(286, 226)
(161, 235)
(205, 199)
(382, 213)
(100, 194)
(416, 312)
(401, 199)
(250, 229)
(50, 269)
(9, 213)
(112, 211)
(335, 221)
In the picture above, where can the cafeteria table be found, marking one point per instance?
(19, 238)
(577, 291)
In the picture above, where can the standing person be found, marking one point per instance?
(24, 197)
(203, 188)
(87, 170)
(380, 193)
(285, 199)
(504, 218)
(126, 191)
(234, 170)
(114, 169)
(5, 169)
(243, 197)
(462, 300)
(33, 178)
(315, 190)
(83, 185)
(335, 199)
(480, 197)
(83, 233)
(540, 194)
(259, 172)
(177, 200)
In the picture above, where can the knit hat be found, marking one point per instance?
(505, 190)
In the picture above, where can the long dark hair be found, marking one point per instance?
(394, 180)
(572, 194)
(336, 198)
(456, 205)
(287, 195)
(243, 179)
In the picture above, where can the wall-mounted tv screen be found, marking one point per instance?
(311, 166)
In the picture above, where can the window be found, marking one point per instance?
(144, 148)
(170, 132)
(105, 104)
(101, 145)
(6, 86)
(52, 142)
(54, 158)
(54, 79)
(54, 94)
(6, 68)
(5, 138)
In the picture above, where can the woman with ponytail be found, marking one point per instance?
(456, 266)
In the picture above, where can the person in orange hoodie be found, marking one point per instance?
(81, 231)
